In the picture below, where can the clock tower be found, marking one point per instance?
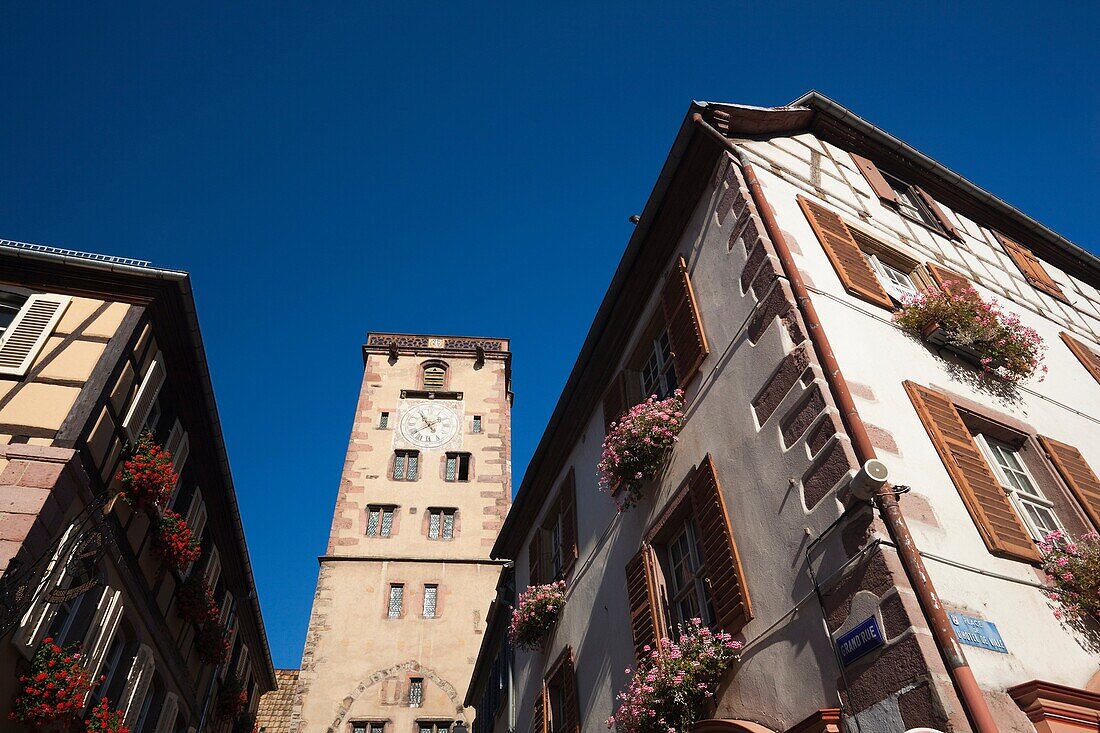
(406, 580)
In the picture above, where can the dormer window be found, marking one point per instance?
(434, 376)
(911, 203)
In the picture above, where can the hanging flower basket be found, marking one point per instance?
(147, 476)
(54, 689)
(980, 333)
(232, 699)
(174, 543)
(195, 601)
(211, 644)
(101, 719)
(672, 687)
(637, 445)
(1072, 568)
(538, 610)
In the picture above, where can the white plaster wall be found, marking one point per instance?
(769, 521)
(873, 352)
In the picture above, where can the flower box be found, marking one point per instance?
(672, 687)
(54, 688)
(637, 446)
(936, 335)
(537, 612)
(978, 332)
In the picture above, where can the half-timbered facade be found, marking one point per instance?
(763, 279)
(94, 351)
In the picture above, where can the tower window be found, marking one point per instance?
(431, 596)
(477, 424)
(379, 521)
(367, 728)
(458, 467)
(434, 376)
(416, 692)
(384, 420)
(405, 465)
(433, 726)
(441, 524)
(397, 600)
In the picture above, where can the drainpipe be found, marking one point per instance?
(967, 687)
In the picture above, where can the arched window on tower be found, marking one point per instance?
(434, 376)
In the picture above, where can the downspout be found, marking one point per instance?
(965, 684)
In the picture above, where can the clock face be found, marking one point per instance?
(429, 426)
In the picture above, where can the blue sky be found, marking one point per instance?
(318, 168)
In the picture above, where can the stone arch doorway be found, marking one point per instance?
(411, 666)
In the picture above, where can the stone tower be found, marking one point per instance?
(406, 581)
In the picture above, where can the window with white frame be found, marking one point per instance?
(431, 598)
(379, 521)
(1033, 507)
(682, 566)
(658, 375)
(441, 524)
(910, 203)
(897, 282)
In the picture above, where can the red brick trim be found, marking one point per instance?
(1056, 708)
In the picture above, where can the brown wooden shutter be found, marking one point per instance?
(568, 499)
(725, 577)
(538, 715)
(685, 328)
(614, 400)
(999, 525)
(640, 593)
(874, 177)
(1032, 268)
(851, 266)
(937, 212)
(945, 277)
(1084, 353)
(1077, 474)
(534, 558)
(569, 690)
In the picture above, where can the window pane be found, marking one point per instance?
(452, 468)
(430, 595)
(433, 526)
(477, 424)
(384, 420)
(416, 693)
(397, 598)
(377, 728)
(372, 523)
(387, 522)
(399, 466)
(448, 525)
(414, 460)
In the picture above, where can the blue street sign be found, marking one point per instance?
(863, 639)
(977, 632)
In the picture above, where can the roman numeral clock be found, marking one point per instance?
(428, 424)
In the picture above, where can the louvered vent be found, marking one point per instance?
(24, 338)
